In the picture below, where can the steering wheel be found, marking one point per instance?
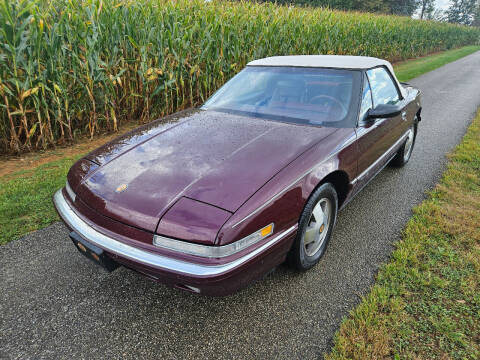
(263, 102)
(331, 99)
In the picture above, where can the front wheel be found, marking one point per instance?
(405, 152)
(314, 228)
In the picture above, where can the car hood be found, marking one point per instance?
(209, 157)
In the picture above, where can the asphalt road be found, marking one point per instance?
(56, 304)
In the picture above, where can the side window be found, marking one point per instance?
(366, 99)
(384, 90)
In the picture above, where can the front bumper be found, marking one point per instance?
(215, 279)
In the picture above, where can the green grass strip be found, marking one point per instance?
(26, 199)
(426, 301)
(410, 69)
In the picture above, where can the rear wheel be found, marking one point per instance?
(315, 228)
(405, 152)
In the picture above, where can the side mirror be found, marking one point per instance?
(383, 111)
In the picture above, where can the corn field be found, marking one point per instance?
(71, 67)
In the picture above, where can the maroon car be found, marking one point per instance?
(208, 200)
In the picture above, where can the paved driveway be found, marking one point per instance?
(55, 304)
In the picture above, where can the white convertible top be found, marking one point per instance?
(324, 61)
(327, 61)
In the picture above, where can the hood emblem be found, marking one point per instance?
(121, 188)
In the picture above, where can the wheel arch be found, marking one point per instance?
(418, 114)
(340, 181)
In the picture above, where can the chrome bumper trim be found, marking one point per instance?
(148, 258)
(70, 192)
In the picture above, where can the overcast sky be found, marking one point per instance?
(443, 4)
(439, 4)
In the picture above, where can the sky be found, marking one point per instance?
(442, 4)
(439, 4)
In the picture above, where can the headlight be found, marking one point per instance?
(212, 251)
(70, 192)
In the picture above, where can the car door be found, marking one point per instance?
(375, 137)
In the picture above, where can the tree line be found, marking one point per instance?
(466, 12)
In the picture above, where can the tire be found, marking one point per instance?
(303, 256)
(405, 152)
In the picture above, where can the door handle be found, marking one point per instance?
(404, 116)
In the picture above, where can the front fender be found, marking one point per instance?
(282, 199)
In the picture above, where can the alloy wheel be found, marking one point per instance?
(408, 145)
(318, 226)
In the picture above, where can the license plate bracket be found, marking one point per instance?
(93, 252)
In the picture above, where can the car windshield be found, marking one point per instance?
(315, 96)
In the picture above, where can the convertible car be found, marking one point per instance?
(210, 199)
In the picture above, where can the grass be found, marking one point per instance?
(26, 198)
(426, 301)
(410, 69)
(25, 195)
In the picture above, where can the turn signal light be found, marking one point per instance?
(267, 230)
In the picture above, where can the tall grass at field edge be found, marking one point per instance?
(76, 67)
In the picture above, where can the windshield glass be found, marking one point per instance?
(313, 96)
